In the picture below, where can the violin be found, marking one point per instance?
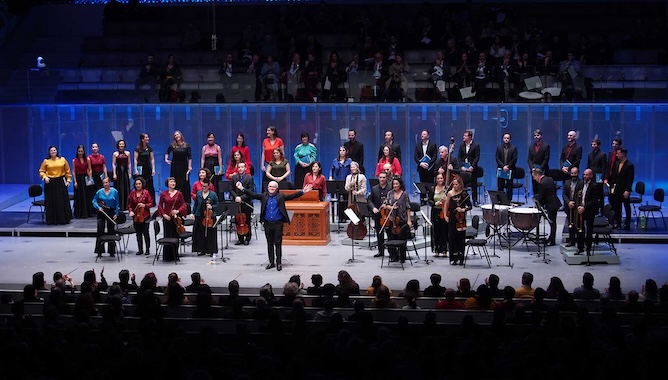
(208, 217)
(242, 223)
(460, 216)
(139, 211)
(180, 228)
(396, 225)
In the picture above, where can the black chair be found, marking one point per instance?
(480, 173)
(125, 231)
(646, 209)
(164, 241)
(520, 174)
(605, 232)
(113, 238)
(35, 191)
(477, 245)
(395, 245)
(187, 234)
(640, 190)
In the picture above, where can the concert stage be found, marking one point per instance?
(32, 246)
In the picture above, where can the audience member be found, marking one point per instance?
(586, 290)
(492, 283)
(196, 284)
(229, 299)
(435, 289)
(383, 299)
(347, 284)
(614, 289)
(481, 300)
(126, 282)
(525, 291)
(450, 301)
(464, 288)
(316, 280)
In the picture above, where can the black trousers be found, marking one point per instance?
(617, 201)
(379, 234)
(104, 224)
(142, 236)
(552, 214)
(586, 237)
(426, 176)
(274, 233)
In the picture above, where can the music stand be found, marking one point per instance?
(363, 208)
(221, 210)
(540, 241)
(427, 260)
(494, 197)
(354, 219)
(423, 188)
(223, 188)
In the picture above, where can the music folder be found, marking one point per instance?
(504, 175)
(352, 216)
(567, 164)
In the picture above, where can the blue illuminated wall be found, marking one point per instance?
(27, 131)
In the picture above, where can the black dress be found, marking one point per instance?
(457, 238)
(122, 183)
(143, 166)
(179, 167)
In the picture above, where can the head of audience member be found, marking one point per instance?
(435, 279)
(464, 285)
(233, 288)
(650, 289)
(412, 287)
(450, 294)
(316, 280)
(588, 280)
(267, 291)
(493, 281)
(124, 276)
(90, 277)
(38, 281)
(196, 278)
(290, 290)
(527, 279)
(56, 276)
(508, 293)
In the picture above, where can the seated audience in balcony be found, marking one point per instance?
(170, 79)
(269, 76)
(148, 75)
(311, 76)
(228, 68)
(497, 51)
(255, 67)
(379, 71)
(397, 85)
(391, 48)
(481, 76)
(291, 76)
(545, 65)
(353, 66)
(569, 69)
(525, 68)
(464, 72)
(334, 79)
(506, 73)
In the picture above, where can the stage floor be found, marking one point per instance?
(28, 247)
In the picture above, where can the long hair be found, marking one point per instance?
(273, 130)
(319, 165)
(183, 139)
(76, 155)
(391, 156)
(243, 142)
(233, 162)
(140, 145)
(280, 153)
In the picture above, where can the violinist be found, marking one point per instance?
(376, 201)
(457, 203)
(242, 198)
(171, 205)
(139, 203)
(205, 241)
(197, 186)
(398, 201)
(437, 195)
(106, 201)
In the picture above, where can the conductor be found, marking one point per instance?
(273, 214)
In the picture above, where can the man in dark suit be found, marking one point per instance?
(355, 149)
(611, 163)
(572, 153)
(469, 155)
(423, 148)
(389, 140)
(590, 194)
(375, 200)
(596, 160)
(243, 199)
(506, 159)
(547, 197)
(570, 192)
(273, 214)
(446, 161)
(539, 155)
(620, 186)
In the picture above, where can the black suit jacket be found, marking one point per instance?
(575, 156)
(376, 197)
(396, 149)
(623, 179)
(248, 183)
(473, 155)
(547, 194)
(597, 162)
(440, 163)
(512, 157)
(280, 198)
(432, 152)
(566, 191)
(610, 161)
(355, 152)
(591, 199)
(541, 158)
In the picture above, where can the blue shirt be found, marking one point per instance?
(110, 201)
(271, 212)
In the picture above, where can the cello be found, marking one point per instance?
(242, 223)
(355, 231)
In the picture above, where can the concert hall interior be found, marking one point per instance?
(94, 93)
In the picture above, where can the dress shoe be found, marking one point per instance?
(625, 228)
(147, 253)
(269, 266)
(579, 252)
(379, 254)
(246, 242)
(201, 253)
(140, 253)
(551, 244)
(570, 244)
(279, 267)
(239, 243)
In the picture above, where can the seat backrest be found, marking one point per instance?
(415, 206)
(640, 188)
(35, 191)
(659, 195)
(519, 173)
(156, 228)
(475, 222)
(121, 218)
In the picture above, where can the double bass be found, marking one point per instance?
(449, 176)
(355, 231)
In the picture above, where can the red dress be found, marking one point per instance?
(319, 183)
(245, 153)
(142, 197)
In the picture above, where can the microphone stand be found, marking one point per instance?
(221, 217)
(428, 224)
(354, 219)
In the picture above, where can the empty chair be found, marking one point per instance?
(125, 231)
(164, 241)
(519, 175)
(637, 200)
(647, 209)
(477, 245)
(605, 231)
(35, 191)
(114, 238)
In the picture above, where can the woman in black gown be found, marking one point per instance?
(181, 163)
(121, 169)
(145, 163)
